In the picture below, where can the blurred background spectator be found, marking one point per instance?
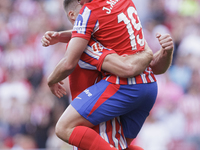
(28, 110)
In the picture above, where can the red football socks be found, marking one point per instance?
(133, 147)
(87, 139)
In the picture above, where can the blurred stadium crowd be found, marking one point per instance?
(28, 110)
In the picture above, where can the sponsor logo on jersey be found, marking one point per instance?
(88, 92)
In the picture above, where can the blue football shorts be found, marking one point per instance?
(105, 101)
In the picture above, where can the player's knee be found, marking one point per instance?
(58, 129)
(62, 131)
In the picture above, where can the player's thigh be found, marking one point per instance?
(71, 118)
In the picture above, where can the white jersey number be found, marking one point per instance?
(129, 22)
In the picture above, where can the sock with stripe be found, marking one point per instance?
(133, 147)
(87, 139)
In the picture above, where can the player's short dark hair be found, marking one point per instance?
(67, 2)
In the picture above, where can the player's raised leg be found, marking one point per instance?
(68, 128)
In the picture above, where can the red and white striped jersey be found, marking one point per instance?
(116, 25)
(93, 56)
(146, 77)
(85, 75)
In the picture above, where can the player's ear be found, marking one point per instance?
(71, 15)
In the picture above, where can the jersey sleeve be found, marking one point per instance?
(85, 24)
(93, 56)
(101, 59)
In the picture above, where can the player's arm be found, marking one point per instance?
(53, 37)
(128, 66)
(135, 64)
(68, 63)
(162, 59)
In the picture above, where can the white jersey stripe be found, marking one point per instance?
(86, 16)
(129, 81)
(96, 28)
(150, 77)
(117, 80)
(143, 76)
(102, 131)
(114, 133)
(80, 24)
(107, 78)
(85, 65)
(122, 143)
(122, 140)
(133, 80)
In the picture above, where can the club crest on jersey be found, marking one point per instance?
(97, 47)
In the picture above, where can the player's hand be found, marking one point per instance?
(166, 42)
(58, 89)
(50, 38)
